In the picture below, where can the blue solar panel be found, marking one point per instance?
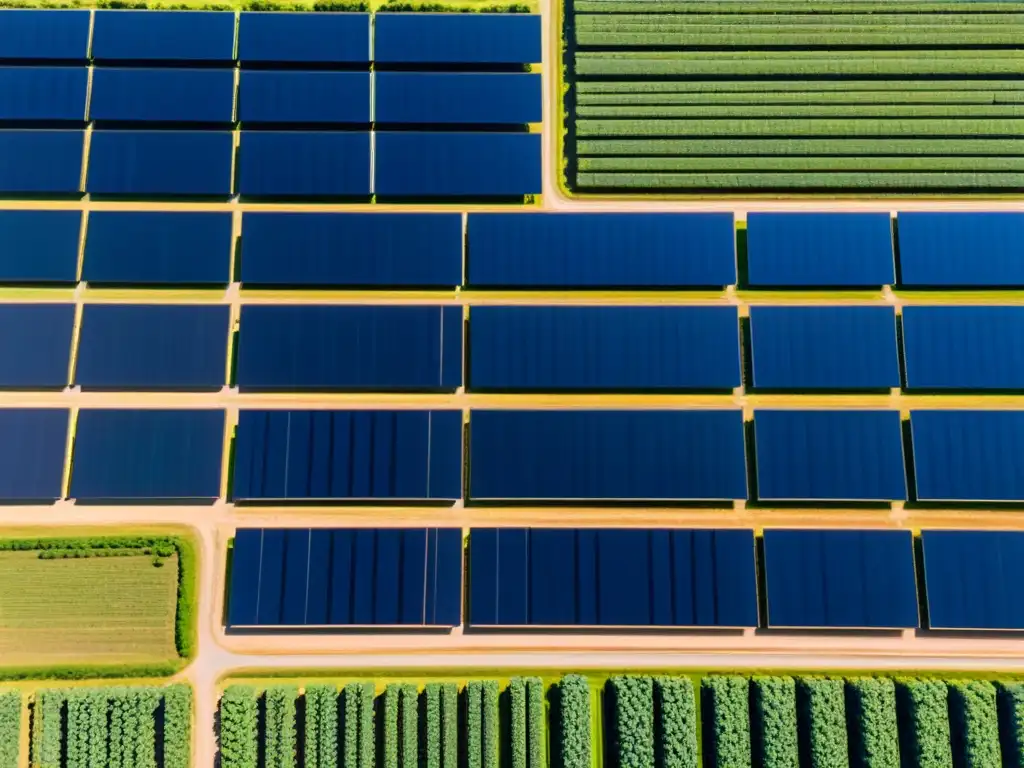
(163, 95)
(304, 164)
(425, 165)
(961, 249)
(43, 93)
(612, 577)
(965, 347)
(310, 455)
(603, 348)
(35, 345)
(600, 250)
(161, 163)
(820, 249)
(968, 455)
(350, 347)
(301, 38)
(972, 579)
(302, 577)
(44, 34)
(41, 162)
(457, 97)
(304, 97)
(457, 38)
(686, 455)
(840, 579)
(829, 456)
(147, 454)
(158, 346)
(155, 248)
(352, 249)
(39, 246)
(33, 443)
(163, 35)
(824, 347)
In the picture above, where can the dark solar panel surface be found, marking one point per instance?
(43, 93)
(947, 250)
(41, 162)
(304, 38)
(154, 35)
(39, 246)
(35, 345)
(457, 38)
(40, 34)
(33, 442)
(268, 96)
(162, 95)
(458, 97)
(304, 164)
(160, 163)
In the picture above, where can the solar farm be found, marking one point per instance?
(595, 382)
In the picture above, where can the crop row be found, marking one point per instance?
(895, 164)
(10, 728)
(751, 87)
(748, 111)
(401, 728)
(630, 36)
(112, 727)
(798, 181)
(840, 147)
(824, 8)
(910, 99)
(862, 21)
(805, 127)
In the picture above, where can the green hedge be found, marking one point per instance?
(774, 726)
(632, 721)
(526, 722)
(441, 714)
(975, 723)
(358, 714)
(279, 744)
(1011, 718)
(482, 724)
(320, 740)
(926, 721)
(676, 727)
(10, 728)
(399, 728)
(728, 711)
(46, 728)
(574, 739)
(874, 729)
(821, 707)
(238, 727)
(178, 727)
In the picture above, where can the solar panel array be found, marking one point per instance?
(320, 105)
(625, 577)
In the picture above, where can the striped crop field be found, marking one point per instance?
(691, 96)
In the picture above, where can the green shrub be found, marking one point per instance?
(391, 729)
(77, 730)
(489, 717)
(927, 722)
(975, 724)
(632, 720)
(321, 738)
(10, 728)
(474, 723)
(178, 726)
(526, 716)
(535, 722)
(96, 702)
(574, 725)
(148, 700)
(359, 743)
(238, 731)
(449, 725)
(279, 730)
(409, 720)
(676, 743)
(821, 706)
(46, 728)
(517, 721)
(728, 708)
(775, 724)
(875, 733)
(1011, 706)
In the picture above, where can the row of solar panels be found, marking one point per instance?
(271, 164)
(519, 348)
(274, 38)
(517, 455)
(616, 577)
(207, 96)
(518, 250)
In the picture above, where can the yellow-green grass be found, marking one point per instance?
(109, 610)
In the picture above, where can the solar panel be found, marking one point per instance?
(32, 34)
(330, 455)
(350, 347)
(968, 455)
(39, 246)
(35, 345)
(972, 579)
(819, 250)
(612, 577)
(43, 93)
(163, 95)
(824, 347)
(424, 165)
(840, 579)
(535, 348)
(622, 455)
(266, 96)
(457, 97)
(41, 162)
(160, 163)
(147, 455)
(600, 250)
(829, 456)
(304, 38)
(153, 35)
(457, 38)
(303, 577)
(961, 249)
(33, 442)
(158, 346)
(146, 248)
(304, 164)
(352, 249)
(965, 347)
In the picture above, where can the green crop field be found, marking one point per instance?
(814, 97)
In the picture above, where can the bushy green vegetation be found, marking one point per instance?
(774, 723)
(321, 733)
(239, 715)
(10, 728)
(676, 725)
(526, 721)
(442, 750)
(874, 733)
(727, 705)
(632, 721)
(822, 708)
(574, 737)
(279, 728)
(1011, 722)
(926, 722)
(976, 723)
